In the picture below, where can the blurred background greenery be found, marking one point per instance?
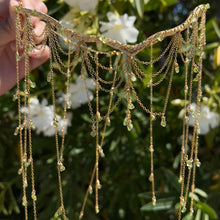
(125, 192)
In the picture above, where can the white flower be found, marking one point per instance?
(120, 28)
(63, 124)
(77, 94)
(206, 120)
(42, 117)
(84, 5)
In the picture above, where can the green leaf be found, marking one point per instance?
(54, 9)
(170, 2)
(198, 214)
(194, 196)
(86, 118)
(148, 195)
(108, 132)
(206, 217)
(200, 192)
(163, 2)
(176, 161)
(172, 178)
(76, 151)
(217, 30)
(207, 209)
(114, 144)
(189, 216)
(210, 32)
(161, 204)
(139, 5)
(211, 46)
(152, 5)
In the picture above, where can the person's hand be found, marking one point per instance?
(8, 44)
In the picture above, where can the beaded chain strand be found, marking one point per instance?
(120, 68)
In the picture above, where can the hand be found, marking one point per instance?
(8, 44)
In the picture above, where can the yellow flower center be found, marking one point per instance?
(117, 27)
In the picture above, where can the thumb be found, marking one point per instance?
(7, 26)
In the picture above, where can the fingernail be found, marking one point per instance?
(35, 53)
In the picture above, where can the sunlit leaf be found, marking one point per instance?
(139, 5)
(76, 151)
(189, 216)
(211, 46)
(200, 192)
(198, 215)
(206, 217)
(195, 197)
(161, 204)
(207, 209)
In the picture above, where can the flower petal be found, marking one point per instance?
(111, 16)
(120, 28)
(130, 34)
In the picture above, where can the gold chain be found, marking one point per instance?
(114, 67)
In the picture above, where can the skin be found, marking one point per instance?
(7, 42)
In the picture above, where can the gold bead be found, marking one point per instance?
(154, 200)
(81, 215)
(90, 189)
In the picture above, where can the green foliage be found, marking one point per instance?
(207, 210)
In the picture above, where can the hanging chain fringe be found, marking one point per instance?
(123, 66)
